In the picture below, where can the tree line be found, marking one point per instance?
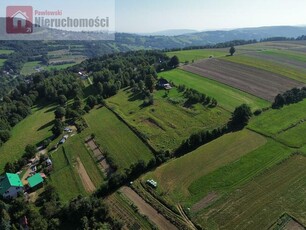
(49, 213)
(292, 96)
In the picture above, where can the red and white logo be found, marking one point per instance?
(19, 19)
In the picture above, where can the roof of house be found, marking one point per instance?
(35, 180)
(163, 81)
(9, 180)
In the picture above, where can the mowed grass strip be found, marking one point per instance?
(275, 121)
(65, 177)
(270, 66)
(116, 138)
(32, 130)
(194, 55)
(66, 184)
(166, 123)
(258, 204)
(295, 136)
(175, 177)
(227, 97)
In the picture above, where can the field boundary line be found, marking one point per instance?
(273, 138)
(185, 217)
(133, 129)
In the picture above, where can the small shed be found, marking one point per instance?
(35, 181)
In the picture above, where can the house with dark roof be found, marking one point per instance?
(10, 185)
(164, 84)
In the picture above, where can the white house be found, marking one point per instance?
(10, 185)
(21, 17)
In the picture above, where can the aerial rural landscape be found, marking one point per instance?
(195, 130)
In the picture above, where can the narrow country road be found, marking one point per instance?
(144, 208)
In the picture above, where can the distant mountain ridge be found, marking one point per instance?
(175, 32)
(208, 37)
(125, 41)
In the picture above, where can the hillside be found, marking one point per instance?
(159, 142)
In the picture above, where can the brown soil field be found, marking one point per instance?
(260, 83)
(146, 209)
(293, 225)
(86, 181)
(105, 167)
(211, 197)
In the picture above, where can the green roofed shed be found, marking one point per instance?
(35, 180)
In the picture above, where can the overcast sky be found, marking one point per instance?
(157, 15)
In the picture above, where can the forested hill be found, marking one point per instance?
(208, 37)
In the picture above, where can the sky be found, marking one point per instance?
(145, 16)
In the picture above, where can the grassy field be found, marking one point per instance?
(32, 130)
(194, 55)
(258, 204)
(227, 97)
(2, 62)
(226, 179)
(287, 54)
(167, 123)
(290, 72)
(6, 51)
(193, 167)
(275, 121)
(59, 67)
(65, 177)
(264, 46)
(294, 136)
(29, 67)
(210, 175)
(116, 138)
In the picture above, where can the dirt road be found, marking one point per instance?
(86, 181)
(146, 209)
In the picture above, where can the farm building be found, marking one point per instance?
(163, 83)
(35, 181)
(63, 140)
(10, 186)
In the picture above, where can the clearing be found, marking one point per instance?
(166, 123)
